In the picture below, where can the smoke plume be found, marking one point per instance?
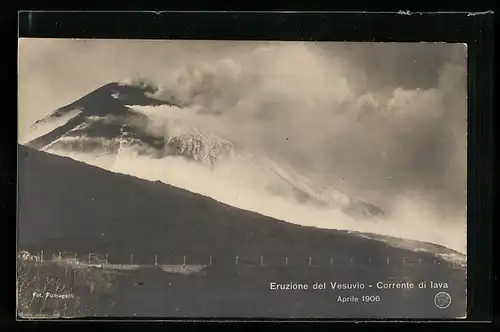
(290, 100)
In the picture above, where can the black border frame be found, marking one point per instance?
(474, 29)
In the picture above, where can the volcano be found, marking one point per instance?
(111, 119)
(99, 117)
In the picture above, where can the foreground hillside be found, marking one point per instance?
(65, 205)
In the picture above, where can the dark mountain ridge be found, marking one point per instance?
(104, 103)
(68, 205)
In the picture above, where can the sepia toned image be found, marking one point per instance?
(261, 179)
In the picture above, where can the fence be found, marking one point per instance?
(93, 259)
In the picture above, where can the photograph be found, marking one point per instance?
(173, 179)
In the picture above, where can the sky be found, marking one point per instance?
(367, 117)
(55, 72)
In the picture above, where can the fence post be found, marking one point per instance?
(286, 260)
(419, 260)
(75, 257)
(41, 256)
(404, 260)
(106, 259)
(184, 261)
(261, 260)
(60, 255)
(310, 260)
(156, 259)
(210, 260)
(387, 260)
(89, 257)
(236, 260)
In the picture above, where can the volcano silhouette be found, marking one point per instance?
(101, 114)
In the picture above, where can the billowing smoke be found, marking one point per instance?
(402, 148)
(288, 99)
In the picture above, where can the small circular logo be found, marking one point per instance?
(442, 300)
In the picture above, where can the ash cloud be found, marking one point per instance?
(394, 125)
